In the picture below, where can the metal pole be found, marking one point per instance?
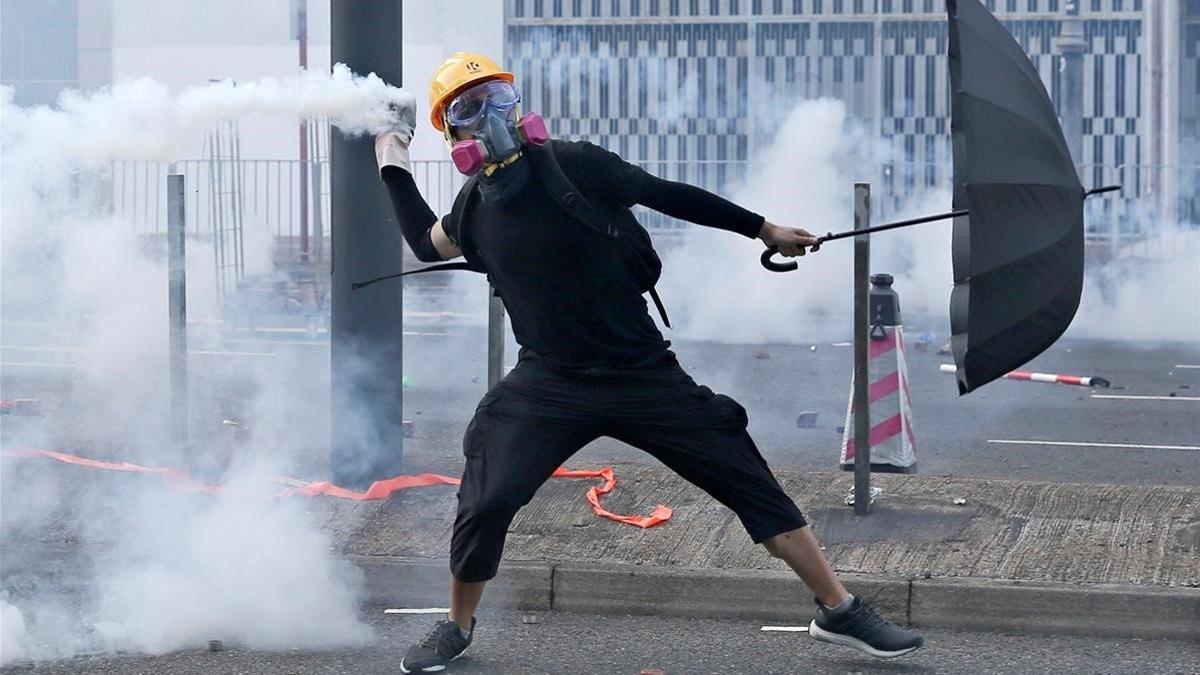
(1073, 46)
(495, 365)
(367, 328)
(862, 290)
(177, 310)
(302, 39)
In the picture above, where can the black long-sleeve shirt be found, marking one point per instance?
(566, 287)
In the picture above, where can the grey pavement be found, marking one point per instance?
(571, 643)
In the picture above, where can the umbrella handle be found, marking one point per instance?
(773, 266)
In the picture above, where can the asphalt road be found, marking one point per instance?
(573, 643)
(1049, 432)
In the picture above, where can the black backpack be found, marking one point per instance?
(612, 220)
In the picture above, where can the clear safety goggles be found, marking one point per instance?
(468, 108)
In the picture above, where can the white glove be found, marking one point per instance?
(391, 147)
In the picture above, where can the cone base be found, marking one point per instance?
(884, 468)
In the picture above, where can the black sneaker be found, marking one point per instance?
(442, 645)
(860, 627)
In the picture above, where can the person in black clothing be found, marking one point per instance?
(592, 361)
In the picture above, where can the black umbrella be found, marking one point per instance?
(1018, 205)
(1018, 255)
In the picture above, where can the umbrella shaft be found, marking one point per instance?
(891, 226)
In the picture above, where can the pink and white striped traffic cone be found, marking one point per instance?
(893, 445)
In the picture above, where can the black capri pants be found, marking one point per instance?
(539, 415)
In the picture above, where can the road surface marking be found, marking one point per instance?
(1187, 366)
(785, 629)
(418, 610)
(1148, 398)
(1074, 444)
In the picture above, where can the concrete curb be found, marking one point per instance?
(994, 605)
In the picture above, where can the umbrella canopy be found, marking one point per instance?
(1018, 255)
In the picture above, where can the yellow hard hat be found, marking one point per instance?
(456, 73)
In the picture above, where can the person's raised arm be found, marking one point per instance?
(420, 227)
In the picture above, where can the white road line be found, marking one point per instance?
(1073, 444)
(1147, 398)
(785, 629)
(1187, 366)
(418, 610)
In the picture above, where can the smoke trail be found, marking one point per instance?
(143, 119)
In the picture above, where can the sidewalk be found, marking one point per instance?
(1019, 556)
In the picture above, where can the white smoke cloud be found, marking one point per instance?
(716, 289)
(176, 569)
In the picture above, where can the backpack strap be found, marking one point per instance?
(467, 196)
(565, 193)
(662, 311)
(572, 200)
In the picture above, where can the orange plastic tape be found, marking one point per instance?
(380, 489)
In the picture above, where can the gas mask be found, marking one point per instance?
(488, 113)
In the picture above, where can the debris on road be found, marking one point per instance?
(760, 354)
(1078, 380)
(215, 646)
(807, 420)
(20, 406)
(922, 340)
(530, 619)
(875, 492)
(960, 501)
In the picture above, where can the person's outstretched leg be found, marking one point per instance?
(464, 600)
(801, 551)
(702, 437)
(516, 440)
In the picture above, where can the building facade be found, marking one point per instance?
(695, 81)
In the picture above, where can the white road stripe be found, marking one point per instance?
(1073, 444)
(418, 610)
(1148, 398)
(785, 629)
(1186, 366)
